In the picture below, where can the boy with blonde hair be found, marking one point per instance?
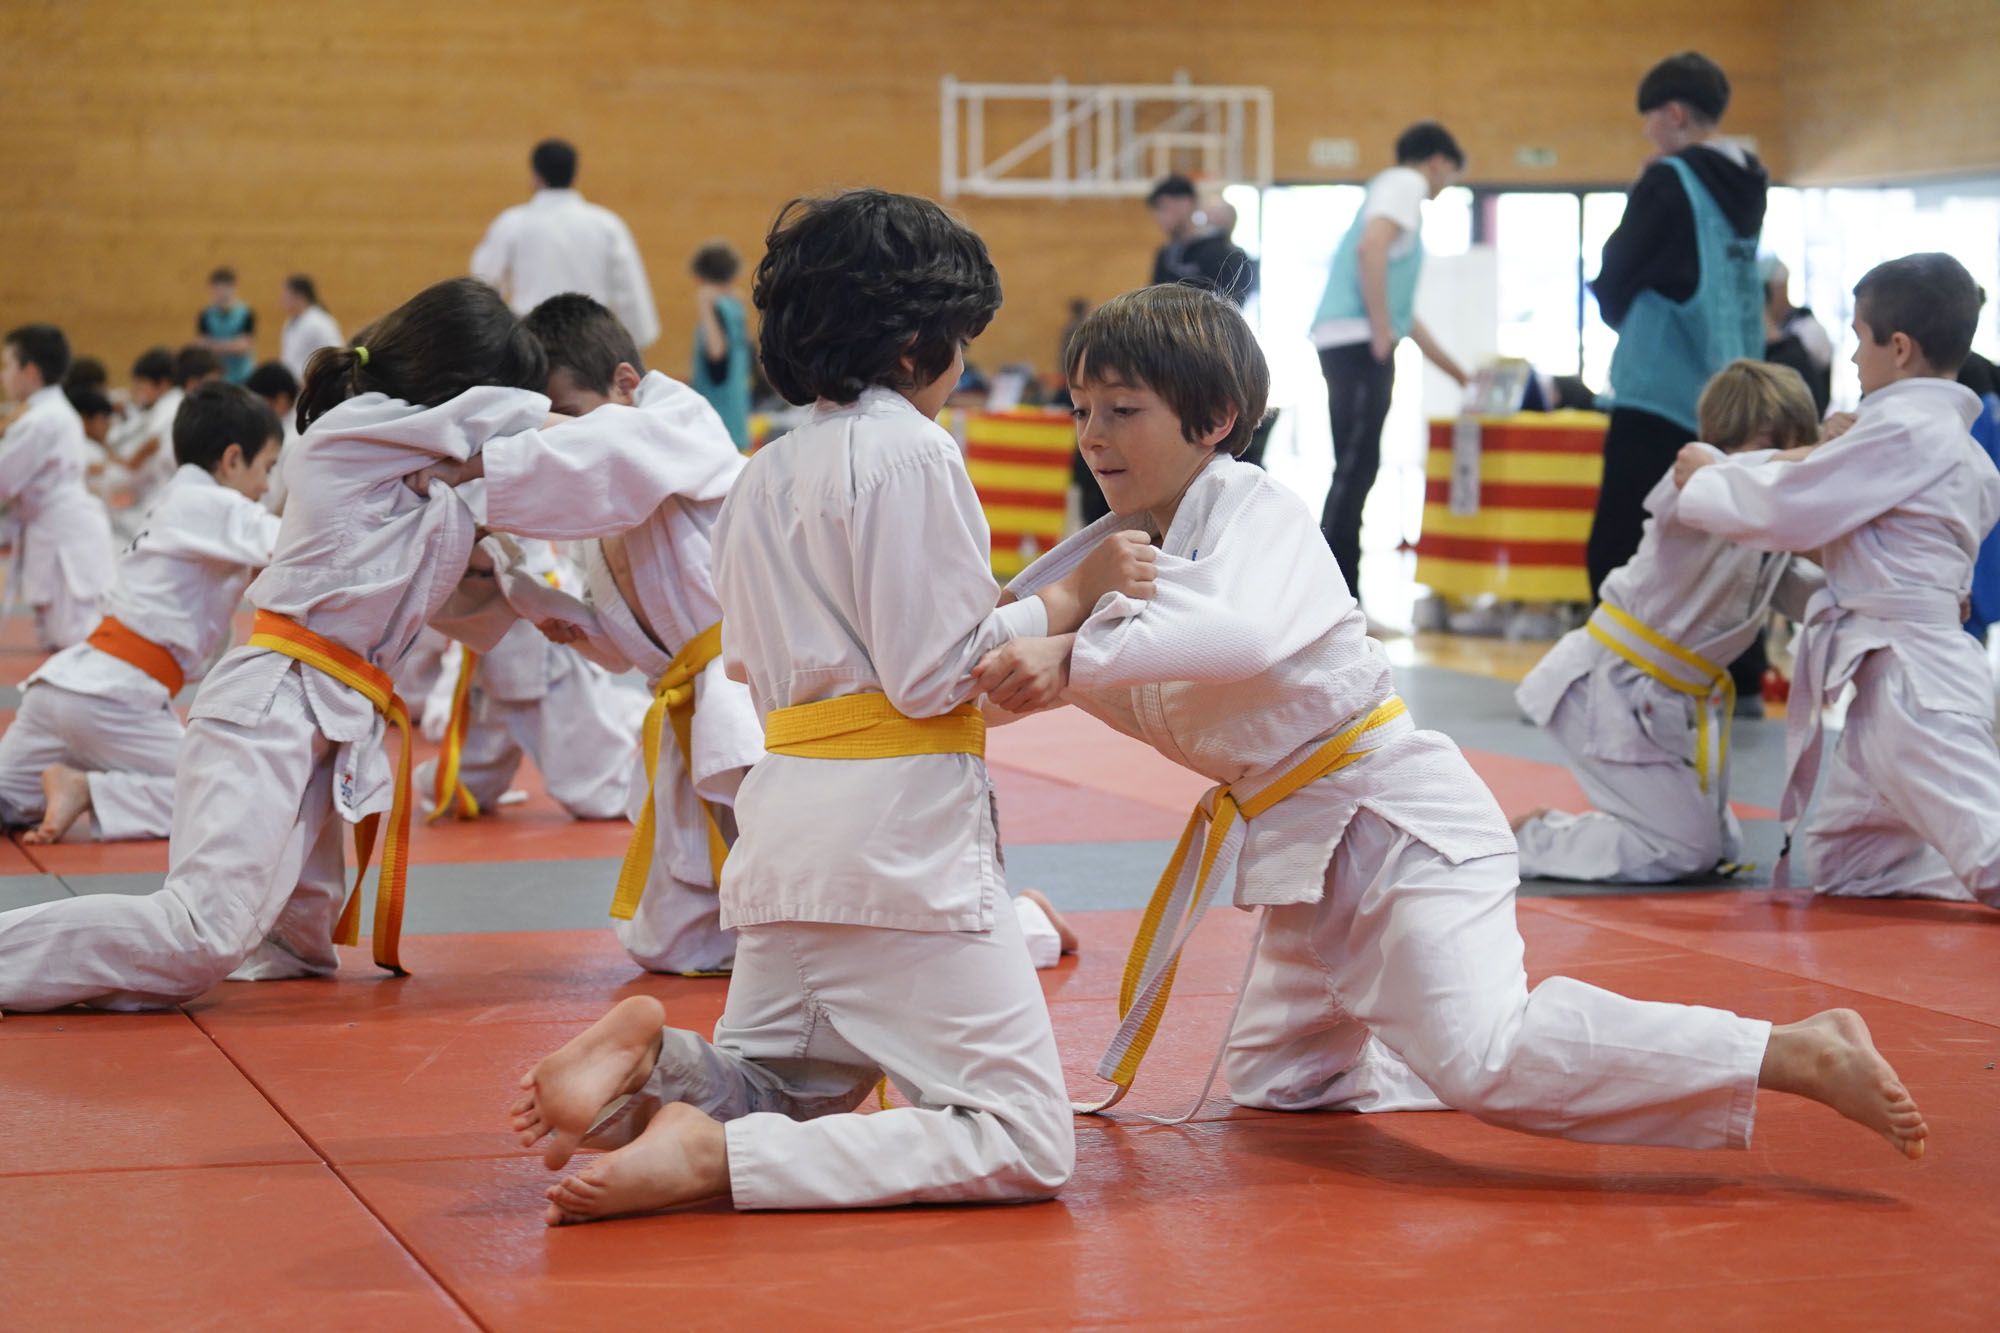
(1641, 697)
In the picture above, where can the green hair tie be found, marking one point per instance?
(361, 354)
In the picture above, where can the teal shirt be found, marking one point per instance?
(1342, 298)
(233, 322)
(729, 392)
(1667, 351)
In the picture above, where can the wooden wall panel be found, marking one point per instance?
(370, 141)
(1877, 91)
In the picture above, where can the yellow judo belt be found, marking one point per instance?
(449, 794)
(279, 634)
(673, 703)
(867, 726)
(1676, 668)
(1156, 951)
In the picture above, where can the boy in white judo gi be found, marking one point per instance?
(97, 733)
(1388, 972)
(64, 555)
(1896, 507)
(285, 741)
(650, 595)
(531, 699)
(1641, 697)
(873, 933)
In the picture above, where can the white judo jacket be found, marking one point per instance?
(1249, 656)
(1703, 592)
(1896, 508)
(852, 556)
(63, 531)
(179, 583)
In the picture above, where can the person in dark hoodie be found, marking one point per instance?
(1680, 283)
(1197, 253)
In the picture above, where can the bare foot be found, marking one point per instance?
(1519, 821)
(1831, 1058)
(681, 1158)
(1063, 931)
(66, 798)
(569, 1089)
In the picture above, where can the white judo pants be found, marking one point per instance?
(816, 1014)
(1652, 823)
(127, 749)
(254, 885)
(1406, 980)
(1911, 808)
(581, 734)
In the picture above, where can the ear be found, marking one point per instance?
(625, 380)
(1903, 348)
(1219, 432)
(232, 458)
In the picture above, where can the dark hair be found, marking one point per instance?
(1175, 186)
(716, 262)
(1191, 347)
(42, 346)
(1690, 78)
(217, 415)
(1930, 298)
(223, 274)
(271, 379)
(156, 364)
(1425, 140)
(301, 284)
(579, 335)
(86, 372)
(194, 363)
(849, 285)
(554, 161)
(87, 401)
(451, 336)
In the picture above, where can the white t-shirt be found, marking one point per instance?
(305, 333)
(1398, 194)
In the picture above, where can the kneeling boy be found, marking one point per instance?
(97, 733)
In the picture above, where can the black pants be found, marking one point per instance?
(1357, 403)
(1639, 449)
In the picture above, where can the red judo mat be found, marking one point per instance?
(331, 1154)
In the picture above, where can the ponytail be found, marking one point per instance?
(333, 376)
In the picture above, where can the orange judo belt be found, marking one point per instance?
(114, 637)
(280, 634)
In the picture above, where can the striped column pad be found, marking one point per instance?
(1020, 466)
(1538, 478)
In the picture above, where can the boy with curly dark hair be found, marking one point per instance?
(873, 933)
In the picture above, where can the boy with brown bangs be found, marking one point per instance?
(1897, 507)
(1388, 971)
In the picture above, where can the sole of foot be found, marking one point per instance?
(564, 1095)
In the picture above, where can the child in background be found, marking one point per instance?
(64, 553)
(97, 733)
(151, 403)
(276, 385)
(308, 326)
(1896, 508)
(1388, 972)
(96, 414)
(286, 740)
(1641, 697)
(873, 936)
(150, 463)
(722, 357)
(227, 327)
